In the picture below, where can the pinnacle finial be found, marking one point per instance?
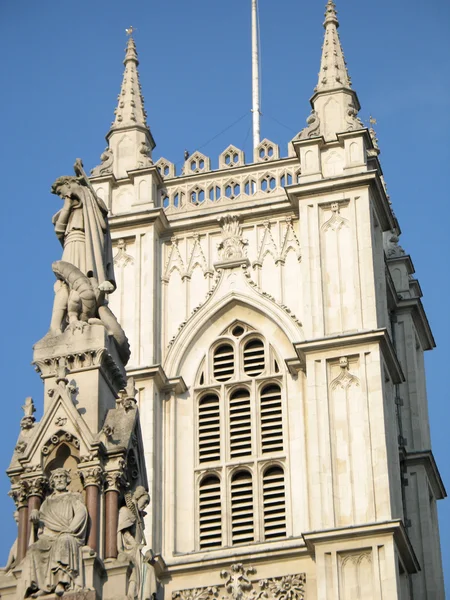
(333, 68)
(331, 14)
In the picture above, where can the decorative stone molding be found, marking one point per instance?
(345, 379)
(58, 438)
(266, 151)
(352, 119)
(114, 480)
(238, 585)
(29, 409)
(106, 166)
(19, 493)
(91, 476)
(37, 486)
(232, 248)
(166, 168)
(231, 157)
(197, 163)
(121, 258)
(82, 360)
(311, 130)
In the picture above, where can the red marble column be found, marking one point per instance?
(111, 522)
(22, 537)
(92, 496)
(34, 503)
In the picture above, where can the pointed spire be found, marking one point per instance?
(130, 110)
(333, 68)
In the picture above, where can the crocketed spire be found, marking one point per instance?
(130, 111)
(333, 68)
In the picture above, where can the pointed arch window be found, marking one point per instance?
(242, 508)
(240, 412)
(274, 500)
(210, 508)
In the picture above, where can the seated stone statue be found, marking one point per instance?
(130, 541)
(53, 562)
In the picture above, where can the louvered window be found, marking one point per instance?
(209, 428)
(254, 360)
(223, 362)
(274, 503)
(240, 424)
(271, 419)
(242, 508)
(210, 513)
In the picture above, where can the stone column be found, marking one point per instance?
(113, 481)
(36, 493)
(92, 479)
(19, 493)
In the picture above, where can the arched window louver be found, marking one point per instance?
(271, 419)
(240, 424)
(254, 359)
(223, 362)
(242, 508)
(210, 512)
(274, 503)
(209, 428)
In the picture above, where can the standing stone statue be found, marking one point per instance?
(130, 541)
(53, 562)
(83, 230)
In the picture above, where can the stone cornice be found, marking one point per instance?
(377, 336)
(394, 528)
(163, 383)
(149, 216)
(201, 561)
(426, 458)
(323, 187)
(415, 307)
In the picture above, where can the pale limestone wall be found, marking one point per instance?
(316, 269)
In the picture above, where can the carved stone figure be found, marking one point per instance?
(312, 129)
(86, 272)
(53, 561)
(12, 556)
(131, 540)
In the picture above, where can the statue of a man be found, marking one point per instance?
(53, 562)
(83, 230)
(130, 541)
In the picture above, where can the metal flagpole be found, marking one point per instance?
(256, 109)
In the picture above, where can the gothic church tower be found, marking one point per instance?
(277, 336)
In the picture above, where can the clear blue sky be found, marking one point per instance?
(61, 73)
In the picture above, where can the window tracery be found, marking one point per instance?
(240, 444)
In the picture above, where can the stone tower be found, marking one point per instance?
(277, 338)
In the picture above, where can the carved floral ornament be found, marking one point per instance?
(239, 586)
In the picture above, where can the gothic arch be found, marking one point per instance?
(207, 325)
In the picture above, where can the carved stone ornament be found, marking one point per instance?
(19, 493)
(91, 476)
(352, 119)
(37, 486)
(312, 129)
(238, 585)
(114, 480)
(127, 398)
(28, 419)
(393, 247)
(145, 160)
(106, 166)
(232, 246)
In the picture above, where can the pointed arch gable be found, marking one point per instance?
(206, 326)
